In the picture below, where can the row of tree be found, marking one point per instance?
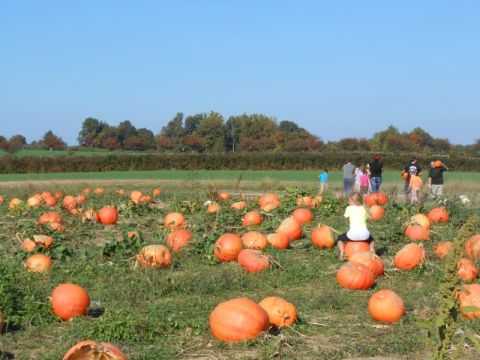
(244, 133)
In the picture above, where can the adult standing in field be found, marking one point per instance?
(435, 177)
(348, 177)
(376, 167)
(411, 168)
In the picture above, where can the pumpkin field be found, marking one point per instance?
(191, 271)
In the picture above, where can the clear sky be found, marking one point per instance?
(338, 68)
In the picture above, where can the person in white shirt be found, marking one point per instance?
(358, 231)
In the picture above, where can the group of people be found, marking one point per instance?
(358, 181)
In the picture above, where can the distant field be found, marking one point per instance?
(224, 175)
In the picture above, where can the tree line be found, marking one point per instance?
(211, 133)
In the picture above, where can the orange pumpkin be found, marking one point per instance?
(467, 271)
(91, 350)
(416, 232)
(355, 276)
(438, 214)
(409, 257)
(386, 306)
(238, 320)
(291, 227)
(99, 191)
(38, 263)
(376, 212)
(69, 202)
(69, 300)
(56, 227)
(213, 208)
(442, 249)
(1, 199)
(174, 220)
(376, 199)
(278, 240)
(86, 190)
(41, 240)
(227, 247)
(305, 201)
(147, 199)
(254, 240)
(50, 201)
(469, 297)
(136, 196)
(303, 216)
(156, 192)
(223, 196)
(437, 163)
(253, 260)
(179, 239)
(108, 215)
(268, 202)
(323, 237)
(421, 220)
(34, 201)
(372, 261)
(154, 256)
(404, 175)
(252, 218)
(81, 198)
(15, 203)
(50, 217)
(472, 247)
(280, 312)
(90, 216)
(239, 205)
(353, 247)
(28, 245)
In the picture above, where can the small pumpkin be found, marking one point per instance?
(99, 191)
(386, 306)
(239, 205)
(280, 312)
(409, 257)
(108, 215)
(438, 214)
(223, 196)
(174, 220)
(237, 320)
(50, 217)
(469, 297)
(38, 263)
(15, 203)
(227, 247)
(305, 201)
(372, 261)
(442, 249)
(323, 237)
(69, 300)
(178, 239)
(34, 201)
(437, 163)
(355, 276)
(254, 240)
(303, 216)
(154, 256)
(472, 247)
(278, 240)
(252, 218)
(421, 220)
(376, 212)
(213, 208)
(253, 260)
(467, 271)
(353, 247)
(136, 196)
(156, 192)
(91, 350)
(417, 232)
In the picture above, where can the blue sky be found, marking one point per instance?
(338, 68)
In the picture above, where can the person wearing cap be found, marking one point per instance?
(435, 177)
(376, 167)
(410, 168)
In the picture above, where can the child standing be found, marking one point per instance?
(323, 180)
(415, 187)
(357, 214)
(364, 183)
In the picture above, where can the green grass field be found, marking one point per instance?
(163, 313)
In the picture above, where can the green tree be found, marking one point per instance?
(52, 141)
(91, 127)
(211, 131)
(14, 144)
(125, 130)
(191, 122)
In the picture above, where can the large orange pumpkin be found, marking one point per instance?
(438, 214)
(154, 256)
(252, 218)
(254, 240)
(136, 196)
(353, 247)
(291, 227)
(472, 247)
(108, 215)
(34, 201)
(69, 202)
(372, 261)
(467, 271)
(376, 199)
(278, 240)
(38, 263)
(409, 257)
(91, 350)
(15, 203)
(355, 276)
(442, 249)
(253, 260)
(376, 212)
(421, 220)
(179, 239)
(227, 247)
(303, 216)
(174, 220)
(69, 300)
(238, 320)
(386, 306)
(50, 217)
(280, 312)
(239, 205)
(416, 232)
(469, 297)
(323, 237)
(50, 201)
(268, 202)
